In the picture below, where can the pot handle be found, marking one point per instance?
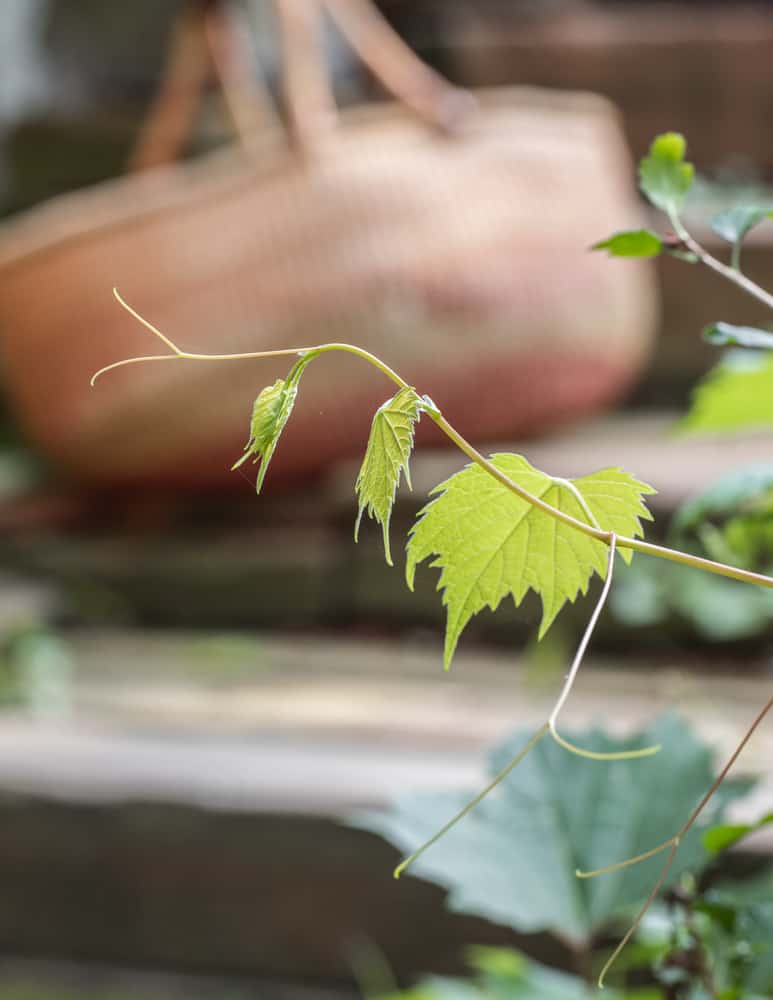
(210, 40)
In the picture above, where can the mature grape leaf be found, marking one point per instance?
(665, 177)
(737, 393)
(633, 243)
(729, 335)
(733, 224)
(513, 859)
(490, 543)
(270, 413)
(386, 457)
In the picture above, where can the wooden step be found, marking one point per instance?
(186, 812)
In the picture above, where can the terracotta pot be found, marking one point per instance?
(461, 261)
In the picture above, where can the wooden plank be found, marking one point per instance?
(186, 814)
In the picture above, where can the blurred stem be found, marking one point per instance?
(732, 274)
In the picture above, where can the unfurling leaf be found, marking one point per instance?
(386, 457)
(733, 224)
(489, 543)
(665, 177)
(728, 335)
(632, 243)
(737, 393)
(270, 413)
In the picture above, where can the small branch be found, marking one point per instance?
(732, 274)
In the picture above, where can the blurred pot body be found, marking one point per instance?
(461, 261)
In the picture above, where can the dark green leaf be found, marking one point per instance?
(513, 859)
(633, 243)
(728, 335)
(733, 224)
(664, 175)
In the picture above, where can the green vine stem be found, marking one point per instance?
(621, 541)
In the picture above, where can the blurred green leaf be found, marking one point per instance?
(633, 243)
(728, 335)
(737, 393)
(270, 413)
(746, 489)
(752, 937)
(646, 595)
(720, 837)
(504, 974)
(664, 175)
(513, 859)
(386, 458)
(734, 223)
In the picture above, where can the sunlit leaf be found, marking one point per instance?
(489, 543)
(634, 243)
(386, 458)
(270, 413)
(737, 393)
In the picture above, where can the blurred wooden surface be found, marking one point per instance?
(187, 812)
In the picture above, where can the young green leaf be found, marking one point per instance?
(489, 543)
(728, 335)
(733, 224)
(270, 413)
(386, 457)
(633, 243)
(665, 177)
(737, 393)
